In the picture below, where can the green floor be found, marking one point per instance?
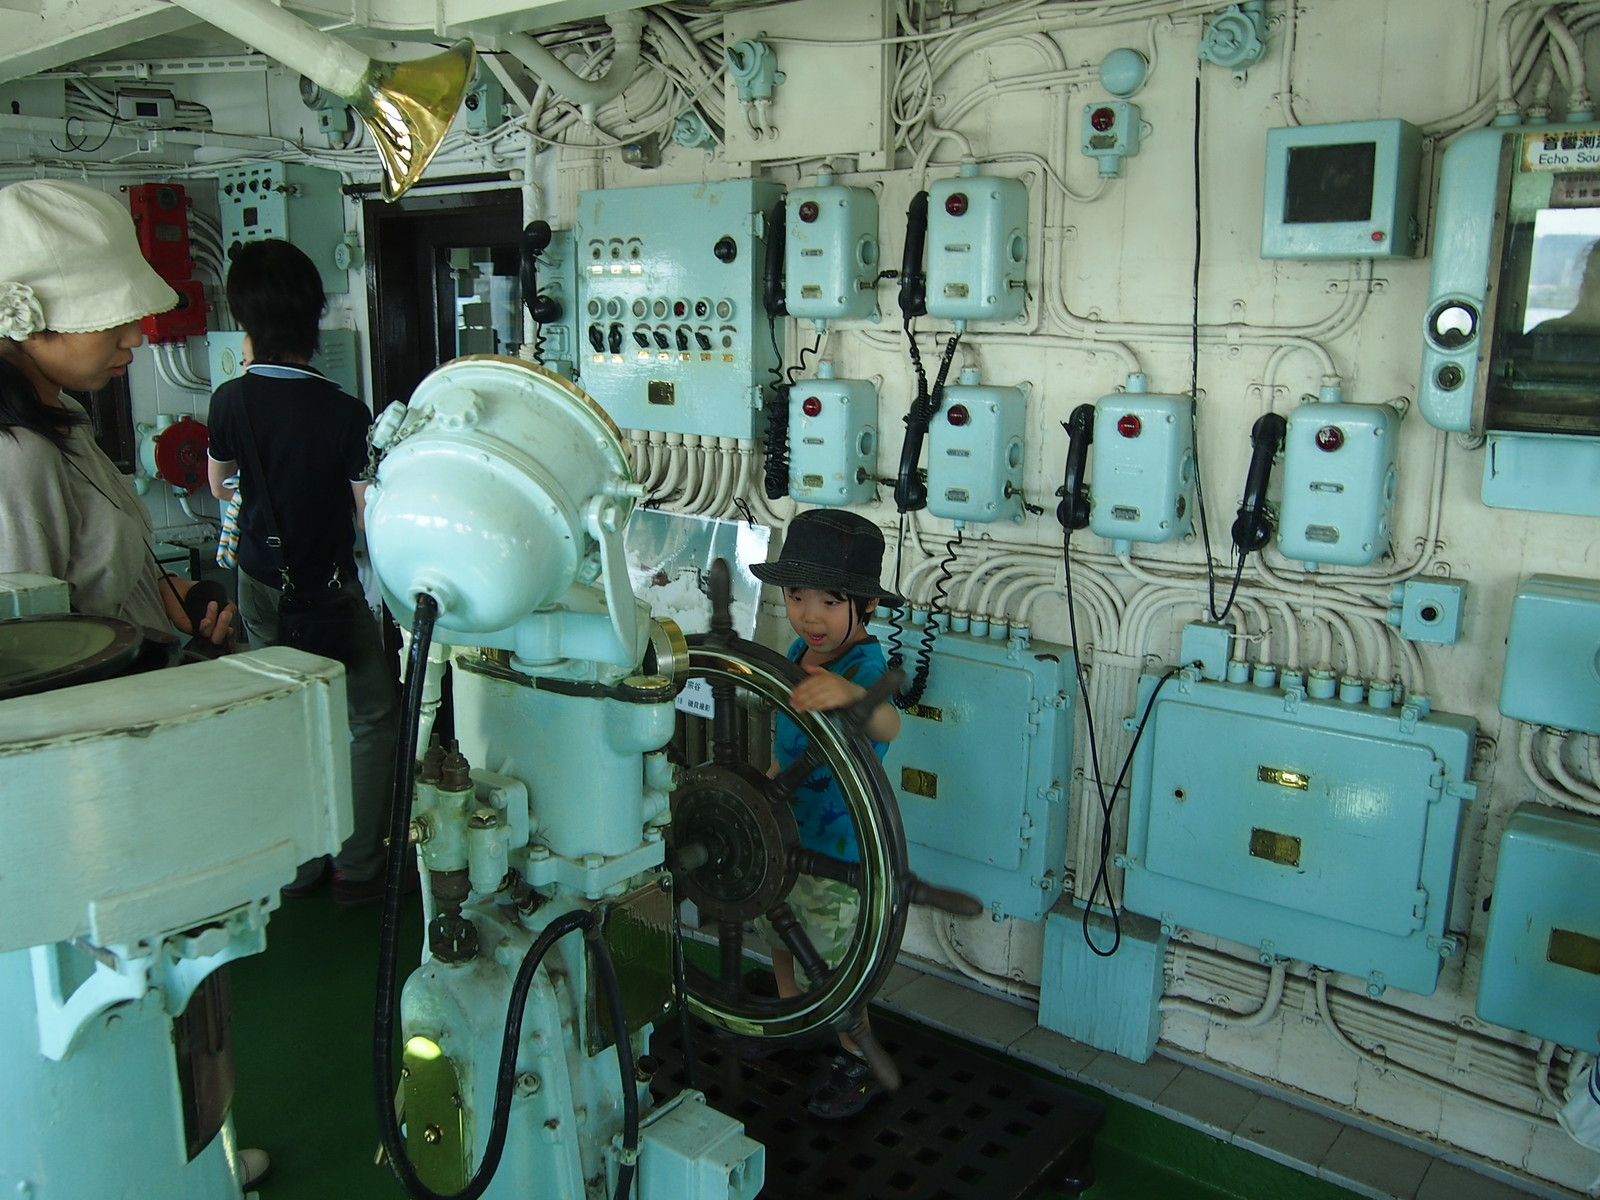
(303, 1035)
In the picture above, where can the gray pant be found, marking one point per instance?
(374, 718)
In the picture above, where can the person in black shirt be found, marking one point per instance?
(298, 445)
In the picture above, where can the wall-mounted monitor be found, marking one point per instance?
(1341, 191)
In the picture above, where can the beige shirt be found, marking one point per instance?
(54, 521)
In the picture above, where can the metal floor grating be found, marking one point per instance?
(961, 1127)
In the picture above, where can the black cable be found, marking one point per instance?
(76, 144)
(930, 630)
(792, 373)
(775, 451)
(1102, 879)
(897, 653)
(1194, 374)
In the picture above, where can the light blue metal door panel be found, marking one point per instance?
(981, 768)
(1351, 871)
(1541, 958)
(1342, 837)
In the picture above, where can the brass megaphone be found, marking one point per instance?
(407, 106)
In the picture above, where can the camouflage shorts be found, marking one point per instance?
(827, 910)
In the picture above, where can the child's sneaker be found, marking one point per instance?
(845, 1090)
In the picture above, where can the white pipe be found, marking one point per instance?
(1260, 1015)
(1558, 768)
(334, 64)
(1378, 1057)
(627, 29)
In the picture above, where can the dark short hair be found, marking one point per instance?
(277, 298)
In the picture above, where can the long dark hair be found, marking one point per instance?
(21, 408)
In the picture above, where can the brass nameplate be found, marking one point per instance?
(1275, 847)
(919, 782)
(1579, 951)
(661, 391)
(927, 712)
(1283, 778)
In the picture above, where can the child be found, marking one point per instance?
(829, 572)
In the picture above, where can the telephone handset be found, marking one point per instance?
(772, 266)
(1073, 511)
(910, 489)
(913, 279)
(1252, 528)
(535, 238)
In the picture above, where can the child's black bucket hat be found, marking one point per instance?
(834, 551)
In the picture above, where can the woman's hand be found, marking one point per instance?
(216, 626)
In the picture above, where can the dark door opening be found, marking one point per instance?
(441, 283)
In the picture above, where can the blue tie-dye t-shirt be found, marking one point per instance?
(818, 805)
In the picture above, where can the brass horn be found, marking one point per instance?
(407, 106)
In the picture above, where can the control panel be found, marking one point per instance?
(1338, 483)
(975, 452)
(831, 252)
(297, 203)
(673, 333)
(977, 258)
(1143, 479)
(833, 439)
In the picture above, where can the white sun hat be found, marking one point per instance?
(70, 262)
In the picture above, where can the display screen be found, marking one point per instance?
(1545, 376)
(1330, 184)
(1556, 299)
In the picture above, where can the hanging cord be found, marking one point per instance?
(923, 410)
(1102, 877)
(383, 1023)
(775, 454)
(1194, 380)
(897, 653)
(930, 630)
(777, 414)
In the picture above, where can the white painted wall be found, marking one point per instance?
(1110, 291)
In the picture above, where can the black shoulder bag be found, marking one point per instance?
(318, 620)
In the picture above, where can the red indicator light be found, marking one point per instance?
(679, 308)
(957, 415)
(1378, 235)
(1330, 437)
(811, 406)
(1103, 119)
(1129, 426)
(956, 204)
(808, 211)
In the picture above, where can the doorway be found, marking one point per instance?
(442, 282)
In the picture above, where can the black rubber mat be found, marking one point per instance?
(962, 1126)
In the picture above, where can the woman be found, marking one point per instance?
(73, 287)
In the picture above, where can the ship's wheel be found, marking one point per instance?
(736, 848)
